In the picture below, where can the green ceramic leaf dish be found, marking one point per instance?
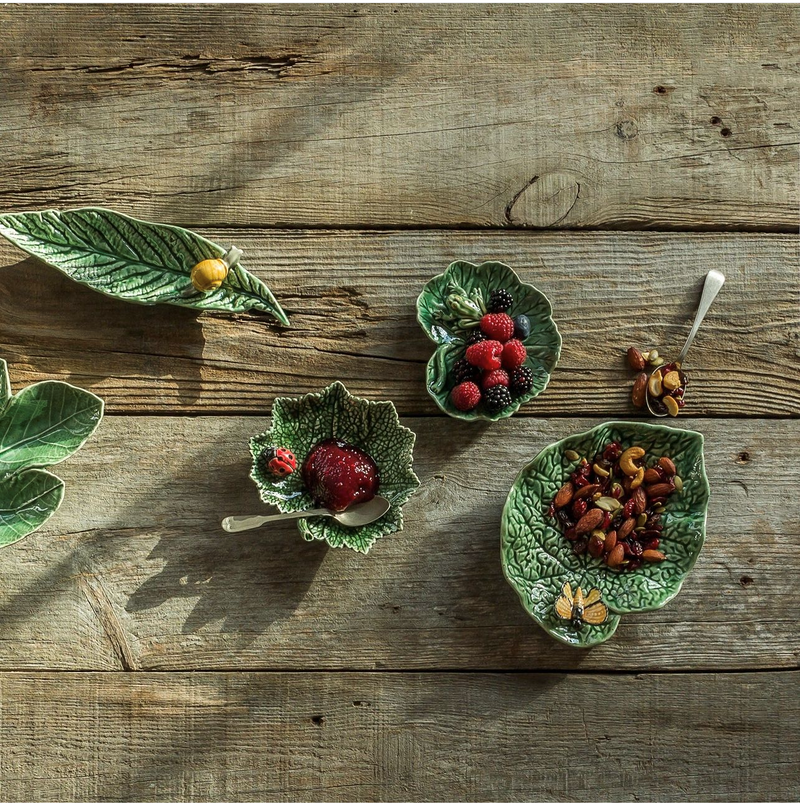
(299, 423)
(473, 283)
(40, 426)
(538, 560)
(133, 260)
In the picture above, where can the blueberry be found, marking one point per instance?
(522, 327)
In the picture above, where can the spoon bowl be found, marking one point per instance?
(711, 287)
(353, 517)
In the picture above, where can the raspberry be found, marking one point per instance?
(485, 355)
(496, 377)
(499, 301)
(514, 354)
(497, 398)
(521, 380)
(466, 396)
(463, 370)
(476, 336)
(498, 326)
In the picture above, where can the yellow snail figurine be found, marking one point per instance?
(210, 274)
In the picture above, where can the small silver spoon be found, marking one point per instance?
(353, 517)
(713, 284)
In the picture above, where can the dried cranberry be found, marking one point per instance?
(570, 534)
(606, 521)
(681, 402)
(627, 509)
(634, 564)
(612, 451)
(580, 481)
(636, 548)
(658, 500)
(626, 546)
(579, 508)
(551, 509)
(616, 491)
(652, 544)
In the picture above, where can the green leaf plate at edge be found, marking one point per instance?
(42, 425)
(133, 260)
(538, 560)
(299, 423)
(543, 343)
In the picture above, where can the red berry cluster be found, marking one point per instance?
(611, 507)
(492, 369)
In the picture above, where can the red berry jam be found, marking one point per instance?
(338, 475)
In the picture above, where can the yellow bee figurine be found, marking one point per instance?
(579, 609)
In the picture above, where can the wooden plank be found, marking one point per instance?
(351, 297)
(135, 572)
(399, 737)
(541, 116)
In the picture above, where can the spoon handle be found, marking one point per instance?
(713, 284)
(234, 524)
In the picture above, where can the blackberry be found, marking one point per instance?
(521, 380)
(499, 301)
(497, 398)
(464, 370)
(476, 336)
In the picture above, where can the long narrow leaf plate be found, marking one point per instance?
(133, 260)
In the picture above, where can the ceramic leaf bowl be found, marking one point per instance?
(538, 560)
(447, 324)
(299, 423)
(40, 426)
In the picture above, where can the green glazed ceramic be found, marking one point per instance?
(40, 426)
(133, 260)
(538, 560)
(300, 423)
(450, 303)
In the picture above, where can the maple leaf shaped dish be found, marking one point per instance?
(300, 423)
(448, 308)
(538, 560)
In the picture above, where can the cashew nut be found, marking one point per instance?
(626, 461)
(637, 480)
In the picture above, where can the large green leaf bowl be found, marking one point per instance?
(448, 333)
(299, 423)
(538, 560)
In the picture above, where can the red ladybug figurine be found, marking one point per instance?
(278, 461)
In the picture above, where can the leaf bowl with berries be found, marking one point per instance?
(497, 343)
(617, 513)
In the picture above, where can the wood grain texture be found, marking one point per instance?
(134, 571)
(398, 737)
(351, 297)
(540, 116)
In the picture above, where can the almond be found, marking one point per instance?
(589, 521)
(564, 495)
(636, 359)
(587, 491)
(667, 465)
(610, 542)
(596, 543)
(616, 556)
(639, 392)
(652, 476)
(639, 500)
(659, 490)
(653, 555)
(626, 527)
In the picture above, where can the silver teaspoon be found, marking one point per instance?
(713, 284)
(353, 517)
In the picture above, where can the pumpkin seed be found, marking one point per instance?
(641, 520)
(571, 455)
(678, 483)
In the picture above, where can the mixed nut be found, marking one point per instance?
(665, 387)
(611, 506)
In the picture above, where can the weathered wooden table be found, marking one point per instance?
(612, 155)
